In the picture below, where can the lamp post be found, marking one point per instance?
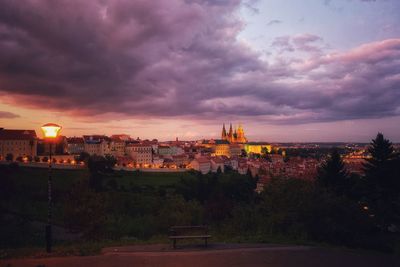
(50, 133)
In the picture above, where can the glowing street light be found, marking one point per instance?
(50, 132)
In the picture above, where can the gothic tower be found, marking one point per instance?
(230, 134)
(240, 135)
(233, 136)
(223, 135)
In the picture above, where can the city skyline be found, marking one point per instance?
(317, 71)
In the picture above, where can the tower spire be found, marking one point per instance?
(223, 135)
(230, 134)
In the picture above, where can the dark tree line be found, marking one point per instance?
(377, 191)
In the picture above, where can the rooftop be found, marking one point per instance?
(6, 134)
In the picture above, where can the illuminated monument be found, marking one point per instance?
(233, 137)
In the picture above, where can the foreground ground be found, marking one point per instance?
(218, 255)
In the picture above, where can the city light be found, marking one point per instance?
(51, 130)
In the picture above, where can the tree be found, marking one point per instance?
(296, 208)
(382, 153)
(85, 211)
(83, 157)
(99, 167)
(9, 157)
(333, 175)
(219, 170)
(382, 181)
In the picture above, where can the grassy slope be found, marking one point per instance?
(31, 188)
(36, 178)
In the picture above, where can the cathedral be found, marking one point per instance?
(236, 136)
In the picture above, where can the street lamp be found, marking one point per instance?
(50, 133)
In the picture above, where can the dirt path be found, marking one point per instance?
(283, 256)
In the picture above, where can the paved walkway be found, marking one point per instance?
(218, 255)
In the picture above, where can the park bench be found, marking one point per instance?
(189, 232)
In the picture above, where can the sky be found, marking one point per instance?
(288, 70)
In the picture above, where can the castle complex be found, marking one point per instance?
(236, 136)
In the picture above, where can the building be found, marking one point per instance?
(176, 150)
(18, 143)
(122, 137)
(201, 164)
(257, 147)
(234, 136)
(243, 167)
(158, 162)
(217, 163)
(117, 145)
(180, 160)
(140, 153)
(97, 144)
(75, 145)
(164, 150)
(235, 150)
(222, 148)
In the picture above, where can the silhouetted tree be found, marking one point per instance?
(382, 181)
(99, 166)
(219, 170)
(333, 175)
(9, 157)
(83, 157)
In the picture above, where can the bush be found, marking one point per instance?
(9, 157)
(298, 209)
(85, 212)
(176, 211)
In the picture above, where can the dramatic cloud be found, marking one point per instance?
(182, 58)
(7, 115)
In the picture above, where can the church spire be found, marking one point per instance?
(223, 135)
(230, 134)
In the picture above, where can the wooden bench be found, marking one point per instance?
(189, 232)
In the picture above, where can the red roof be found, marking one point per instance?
(217, 160)
(17, 134)
(75, 140)
(203, 160)
(138, 145)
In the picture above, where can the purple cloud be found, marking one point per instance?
(182, 59)
(8, 115)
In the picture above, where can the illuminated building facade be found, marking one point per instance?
(234, 136)
(257, 147)
(18, 143)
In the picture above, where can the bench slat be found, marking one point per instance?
(189, 236)
(190, 227)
